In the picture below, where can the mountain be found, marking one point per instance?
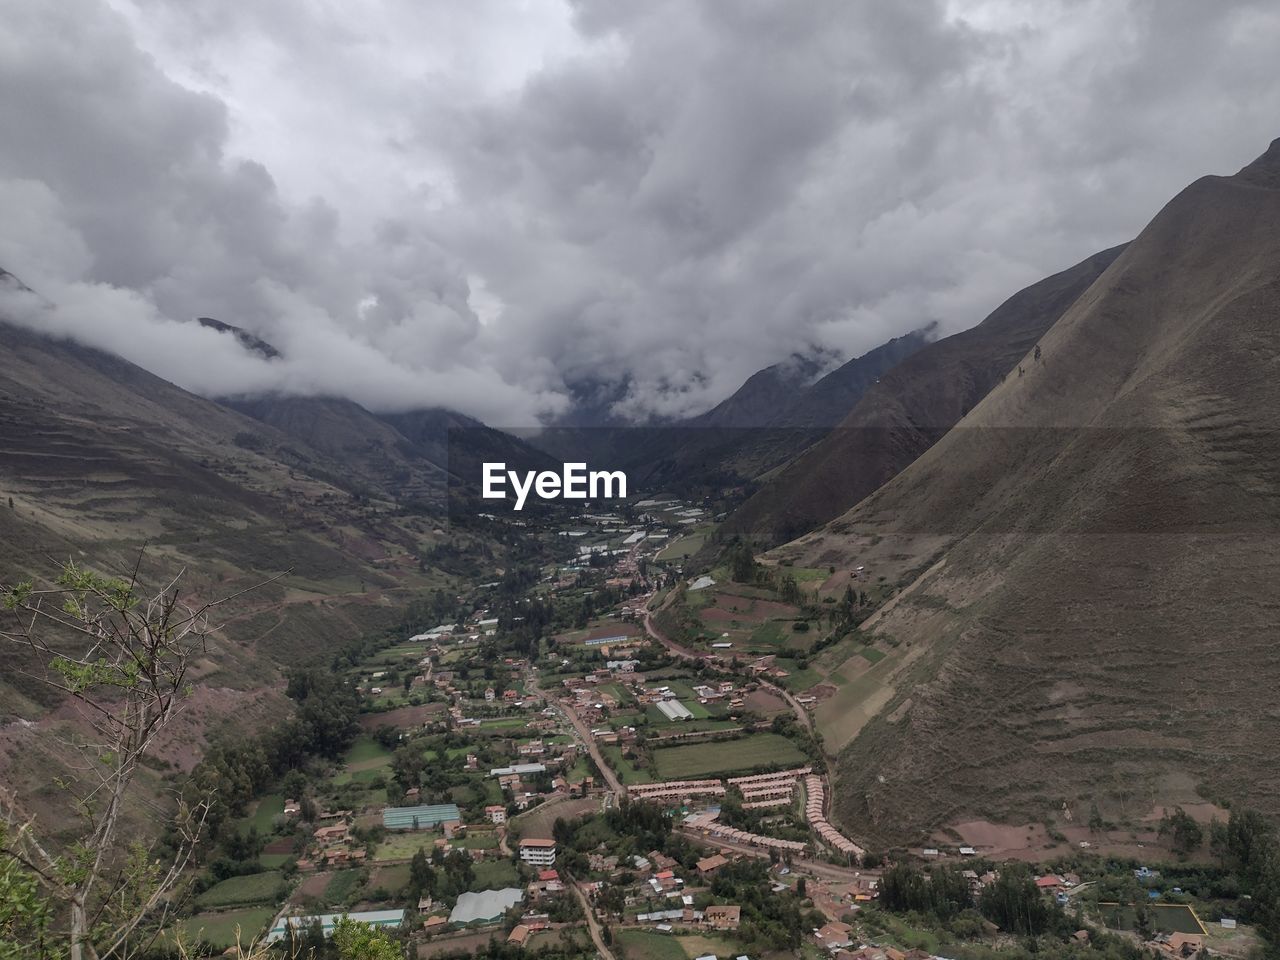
(1089, 566)
(907, 408)
(100, 458)
(788, 395)
(242, 336)
(774, 416)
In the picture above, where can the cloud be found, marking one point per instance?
(663, 197)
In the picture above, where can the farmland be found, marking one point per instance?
(237, 891)
(223, 929)
(726, 756)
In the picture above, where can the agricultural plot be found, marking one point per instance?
(1165, 917)
(266, 887)
(646, 945)
(862, 692)
(752, 623)
(627, 773)
(267, 809)
(402, 846)
(224, 929)
(726, 756)
(495, 874)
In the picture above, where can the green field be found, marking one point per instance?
(626, 772)
(684, 547)
(872, 654)
(1165, 917)
(644, 945)
(797, 679)
(219, 929)
(341, 885)
(365, 749)
(240, 891)
(268, 808)
(726, 756)
(271, 861)
(402, 846)
(495, 874)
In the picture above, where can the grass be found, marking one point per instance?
(495, 874)
(219, 929)
(240, 891)
(341, 885)
(726, 756)
(646, 945)
(684, 547)
(626, 772)
(797, 679)
(401, 846)
(365, 749)
(1165, 917)
(872, 654)
(767, 635)
(273, 860)
(268, 808)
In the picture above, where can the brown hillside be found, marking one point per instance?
(1102, 540)
(908, 408)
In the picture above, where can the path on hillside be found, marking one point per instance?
(686, 653)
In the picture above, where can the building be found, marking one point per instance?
(710, 865)
(485, 907)
(538, 852)
(723, 918)
(496, 813)
(389, 919)
(519, 935)
(424, 817)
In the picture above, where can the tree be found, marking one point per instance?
(1187, 834)
(124, 655)
(359, 941)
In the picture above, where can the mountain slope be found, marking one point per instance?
(1093, 555)
(98, 458)
(908, 408)
(773, 417)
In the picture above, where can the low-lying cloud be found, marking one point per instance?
(486, 207)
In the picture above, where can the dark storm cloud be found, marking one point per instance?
(480, 205)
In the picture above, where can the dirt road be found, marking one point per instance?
(584, 734)
(687, 653)
(592, 924)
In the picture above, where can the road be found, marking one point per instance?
(592, 925)
(584, 734)
(687, 653)
(818, 868)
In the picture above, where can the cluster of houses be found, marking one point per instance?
(814, 813)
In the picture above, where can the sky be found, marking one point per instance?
(500, 205)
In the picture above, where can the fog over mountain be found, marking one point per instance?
(483, 206)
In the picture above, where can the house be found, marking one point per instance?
(1049, 883)
(1180, 944)
(709, 865)
(835, 935)
(538, 852)
(435, 924)
(490, 694)
(328, 836)
(496, 813)
(519, 935)
(292, 808)
(723, 917)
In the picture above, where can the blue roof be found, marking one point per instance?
(419, 818)
(327, 921)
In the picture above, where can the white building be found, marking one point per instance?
(537, 852)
